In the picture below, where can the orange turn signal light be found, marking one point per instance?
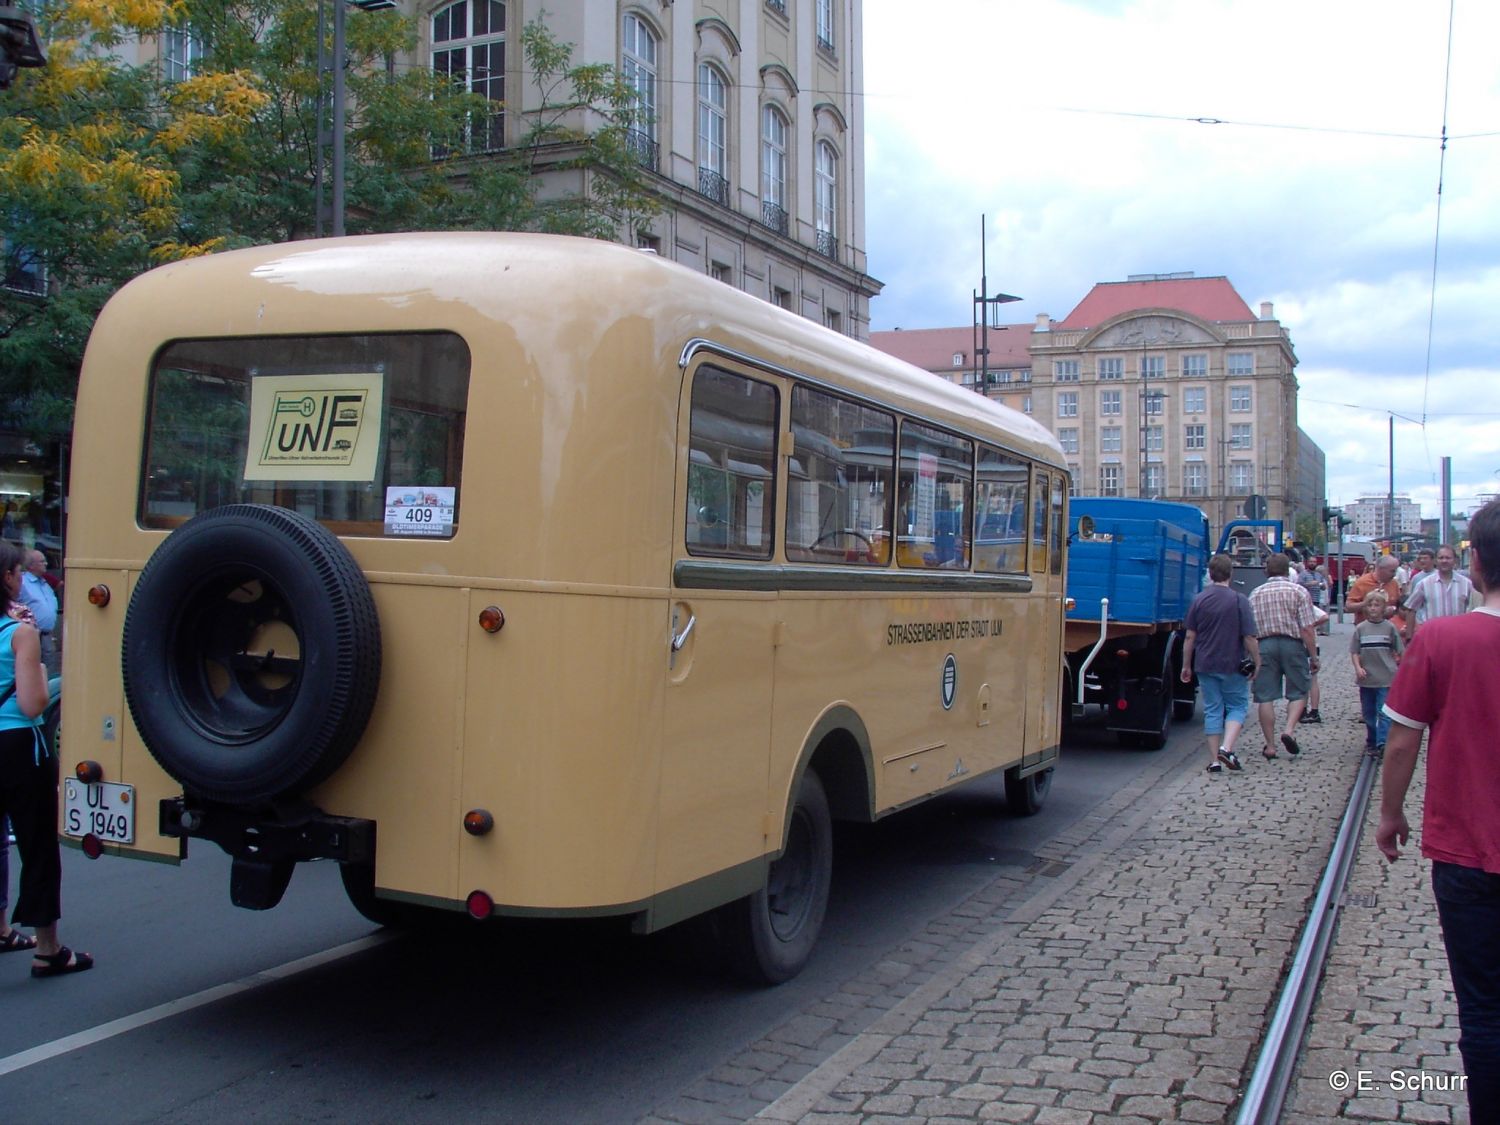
(99, 595)
(88, 771)
(491, 619)
(478, 822)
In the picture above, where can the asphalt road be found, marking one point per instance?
(510, 1022)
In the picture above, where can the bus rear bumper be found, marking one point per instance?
(267, 844)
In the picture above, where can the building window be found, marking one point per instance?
(22, 269)
(713, 135)
(773, 169)
(1065, 370)
(958, 359)
(1241, 476)
(1195, 400)
(832, 319)
(1067, 404)
(1195, 437)
(1239, 436)
(1073, 471)
(825, 24)
(1067, 437)
(825, 200)
(181, 52)
(1195, 367)
(1109, 439)
(1152, 481)
(1239, 363)
(647, 241)
(1239, 398)
(781, 298)
(1154, 439)
(1153, 366)
(1109, 480)
(1026, 405)
(638, 57)
(1110, 402)
(721, 272)
(1195, 478)
(1154, 402)
(468, 48)
(1112, 368)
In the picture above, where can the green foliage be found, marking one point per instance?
(107, 170)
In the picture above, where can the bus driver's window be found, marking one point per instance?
(1039, 524)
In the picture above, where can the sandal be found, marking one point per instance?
(1215, 768)
(15, 941)
(1268, 754)
(1230, 759)
(63, 961)
(1291, 745)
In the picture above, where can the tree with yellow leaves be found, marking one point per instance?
(109, 167)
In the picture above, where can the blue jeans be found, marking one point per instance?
(1468, 902)
(1377, 726)
(1226, 695)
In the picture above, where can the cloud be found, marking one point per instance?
(1068, 125)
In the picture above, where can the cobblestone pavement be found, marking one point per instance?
(1129, 974)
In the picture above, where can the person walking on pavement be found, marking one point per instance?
(28, 787)
(1382, 577)
(1375, 651)
(1441, 594)
(1288, 652)
(1446, 686)
(37, 596)
(1420, 570)
(1220, 635)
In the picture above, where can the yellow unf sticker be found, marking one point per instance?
(314, 427)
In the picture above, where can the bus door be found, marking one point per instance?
(1044, 606)
(718, 664)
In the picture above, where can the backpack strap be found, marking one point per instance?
(6, 624)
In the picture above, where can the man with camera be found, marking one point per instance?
(1221, 643)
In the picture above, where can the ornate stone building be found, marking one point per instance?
(1163, 386)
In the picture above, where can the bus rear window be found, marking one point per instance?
(358, 432)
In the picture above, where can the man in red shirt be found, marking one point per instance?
(1446, 685)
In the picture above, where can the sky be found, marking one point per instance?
(1070, 126)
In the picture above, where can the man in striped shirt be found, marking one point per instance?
(1441, 594)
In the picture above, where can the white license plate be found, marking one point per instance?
(102, 808)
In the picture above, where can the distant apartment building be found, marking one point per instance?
(1163, 386)
(1380, 518)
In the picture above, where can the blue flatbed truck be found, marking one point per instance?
(1134, 567)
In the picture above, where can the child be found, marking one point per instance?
(1375, 648)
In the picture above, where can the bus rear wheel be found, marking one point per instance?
(1026, 795)
(770, 934)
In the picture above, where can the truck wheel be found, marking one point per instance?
(770, 934)
(251, 653)
(1157, 738)
(1026, 795)
(1183, 710)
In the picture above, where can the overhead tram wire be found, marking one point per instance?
(1437, 225)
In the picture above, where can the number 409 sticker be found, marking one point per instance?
(426, 512)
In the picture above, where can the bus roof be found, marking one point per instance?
(545, 290)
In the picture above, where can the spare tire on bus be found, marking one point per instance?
(251, 653)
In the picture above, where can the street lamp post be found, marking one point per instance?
(983, 301)
(333, 136)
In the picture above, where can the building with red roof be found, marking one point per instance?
(1162, 385)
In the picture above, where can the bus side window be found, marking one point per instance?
(1058, 523)
(1000, 513)
(1039, 524)
(839, 481)
(935, 486)
(731, 476)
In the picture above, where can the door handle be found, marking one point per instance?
(681, 638)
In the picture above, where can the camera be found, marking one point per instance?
(1247, 667)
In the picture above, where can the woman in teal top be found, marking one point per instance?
(28, 786)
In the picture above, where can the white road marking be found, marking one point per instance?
(30, 1057)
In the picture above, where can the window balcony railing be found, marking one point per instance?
(774, 217)
(643, 150)
(828, 244)
(714, 186)
(825, 42)
(777, 6)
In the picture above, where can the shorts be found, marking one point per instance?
(1283, 662)
(1226, 696)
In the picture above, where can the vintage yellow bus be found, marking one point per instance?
(539, 576)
